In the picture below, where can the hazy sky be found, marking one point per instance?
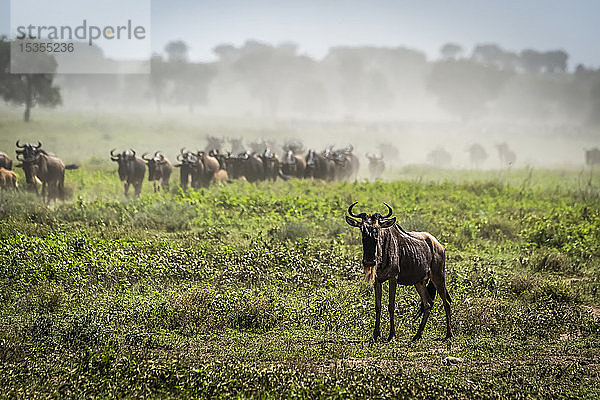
(420, 24)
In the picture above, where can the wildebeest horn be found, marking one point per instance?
(179, 157)
(144, 156)
(389, 214)
(112, 153)
(155, 154)
(182, 149)
(350, 210)
(38, 145)
(133, 151)
(19, 144)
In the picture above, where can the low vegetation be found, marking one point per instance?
(256, 290)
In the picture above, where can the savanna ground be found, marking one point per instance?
(256, 290)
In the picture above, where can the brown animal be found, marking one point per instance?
(5, 161)
(47, 169)
(406, 258)
(8, 179)
(592, 156)
(376, 166)
(159, 170)
(293, 165)
(131, 170)
(211, 165)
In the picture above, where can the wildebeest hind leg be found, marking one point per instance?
(427, 305)
(440, 285)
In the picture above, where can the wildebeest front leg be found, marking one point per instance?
(391, 308)
(427, 305)
(126, 188)
(378, 292)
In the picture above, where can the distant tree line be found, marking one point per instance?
(278, 81)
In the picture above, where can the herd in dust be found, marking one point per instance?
(262, 161)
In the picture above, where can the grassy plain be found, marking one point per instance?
(256, 290)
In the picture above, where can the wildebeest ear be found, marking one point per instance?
(388, 222)
(352, 222)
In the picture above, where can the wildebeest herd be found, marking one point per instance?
(261, 163)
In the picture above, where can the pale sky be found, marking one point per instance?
(424, 25)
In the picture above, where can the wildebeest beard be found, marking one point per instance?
(371, 253)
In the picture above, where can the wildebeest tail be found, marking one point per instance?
(71, 166)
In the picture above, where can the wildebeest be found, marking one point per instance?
(8, 179)
(319, 167)
(293, 165)
(376, 166)
(271, 164)
(131, 170)
(39, 166)
(346, 163)
(246, 166)
(439, 157)
(237, 146)
(5, 161)
(406, 258)
(477, 155)
(159, 170)
(191, 169)
(506, 155)
(592, 156)
(214, 143)
(210, 164)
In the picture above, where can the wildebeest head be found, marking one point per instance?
(370, 226)
(28, 151)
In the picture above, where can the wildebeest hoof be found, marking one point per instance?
(452, 361)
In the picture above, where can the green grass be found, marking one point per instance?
(256, 290)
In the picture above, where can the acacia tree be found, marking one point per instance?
(28, 89)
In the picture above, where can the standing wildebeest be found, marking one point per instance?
(319, 167)
(191, 169)
(246, 166)
(506, 155)
(47, 169)
(131, 170)
(293, 165)
(237, 146)
(214, 143)
(211, 166)
(271, 164)
(5, 161)
(477, 155)
(376, 166)
(159, 170)
(592, 156)
(8, 179)
(439, 157)
(406, 258)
